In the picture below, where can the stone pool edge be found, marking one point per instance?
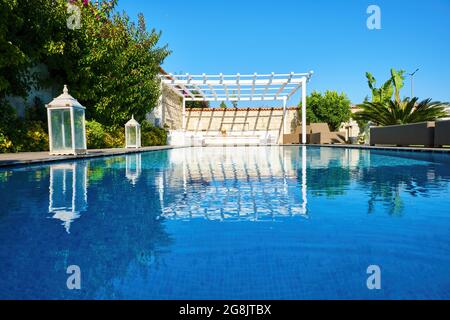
(31, 158)
(391, 148)
(28, 158)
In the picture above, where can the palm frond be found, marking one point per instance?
(403, 112)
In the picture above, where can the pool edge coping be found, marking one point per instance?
(385, 148)
(99, 153)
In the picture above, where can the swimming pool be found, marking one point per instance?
(229, 223)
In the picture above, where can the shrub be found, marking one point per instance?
(33, 137)
(404, 112)
(6, 145)
(95, 135)
(36, 111)
(21, 135)
(115, 137)
(100, 137)
(152, 136)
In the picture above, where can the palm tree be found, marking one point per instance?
(401, 112)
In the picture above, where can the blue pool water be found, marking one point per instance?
(229, 223)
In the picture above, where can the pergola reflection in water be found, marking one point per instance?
(235, 184)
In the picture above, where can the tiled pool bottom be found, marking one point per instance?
(229, 223)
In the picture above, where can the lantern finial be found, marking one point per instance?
(65, 91)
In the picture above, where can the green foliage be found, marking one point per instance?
(37, 112)
(110, 64)
(197, 104)
(382, 94)
(116, 63)
(20, 135)
(95, 135)
(385, 92)
(234, 103)
(99, 136)
(34, 137)
(27, 27)
(23, 134)
(407, 111)
(364, 130)
(397, 79)
(6, 145)
(331, 107)
(151, 135)
(223, 105)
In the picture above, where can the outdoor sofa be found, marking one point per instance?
(296, 136)
(321, 134)
(442, 133)
(316, 133)
(421, 133)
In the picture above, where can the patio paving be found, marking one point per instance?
(362, 146)
(13, 159)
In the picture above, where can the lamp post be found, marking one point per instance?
(412, 81)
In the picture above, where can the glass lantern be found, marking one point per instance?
(66, 125)
(68, 192)
(133, 167)
(132, 134)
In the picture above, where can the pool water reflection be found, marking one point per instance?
(229, 223)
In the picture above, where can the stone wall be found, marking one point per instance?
(242, 120)
(172, 109)
(169, 111)
(44, 94)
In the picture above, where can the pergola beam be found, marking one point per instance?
(252, 82)
(269, 84)
(231, 98)
(174, 80)
(256, 87)
(284, 84)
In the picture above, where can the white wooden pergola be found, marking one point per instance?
(240, 87)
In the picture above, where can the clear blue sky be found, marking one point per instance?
(329, 37)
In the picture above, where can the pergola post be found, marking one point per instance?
(184, 115)
(284, 115)
(304, 111)
(304, 182)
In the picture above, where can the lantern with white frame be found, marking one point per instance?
(66, 125)
(132, 134)
(68, 192)
(133, 164)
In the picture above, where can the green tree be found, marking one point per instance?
(110, 64)
(407, 111)
(28, 28)
(223, 105)
(117, 63)
(331, 107)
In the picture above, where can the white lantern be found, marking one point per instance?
(133, 164)
(132, 134)
(66, 125)
(68, 192)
